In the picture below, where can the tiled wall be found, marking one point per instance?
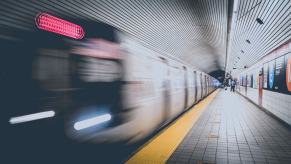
(253, 94)
(277, 103)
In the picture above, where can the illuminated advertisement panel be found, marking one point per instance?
(271, 73)
(255, 79)
(246, 80)
(251, 80)
(265, 74)
(279, 77)
(288, 72)
(258, 77)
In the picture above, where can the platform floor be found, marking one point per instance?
(233, 130)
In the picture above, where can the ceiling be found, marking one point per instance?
(204, 33)
(194, 31)
(263, 38)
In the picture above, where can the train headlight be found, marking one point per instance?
(31, 117)
(92, 121)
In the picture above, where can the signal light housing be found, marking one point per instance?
(56, 25)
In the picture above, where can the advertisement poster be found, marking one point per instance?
(254, 79)
(279, 78)
(271, 74)
(288, 72)
(251, 80)
(257, 73)
(265, 74)
(246, 80)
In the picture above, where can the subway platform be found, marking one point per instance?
(224, 128)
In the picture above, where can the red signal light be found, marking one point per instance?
(53, 24)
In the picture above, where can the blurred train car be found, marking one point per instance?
(155, 90)
(92, 83)
(268, 82)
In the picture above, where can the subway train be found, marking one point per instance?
(89, 82)
(268, 82)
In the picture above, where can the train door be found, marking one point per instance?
(195, 86)
(201, 86)
(261, 78)
(185, 87)
(166, 90)
(205, 83)
(208, 85)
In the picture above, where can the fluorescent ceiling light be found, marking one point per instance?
(91, 121)
(259, 21)
(31, 117)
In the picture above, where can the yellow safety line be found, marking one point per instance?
(161, 147)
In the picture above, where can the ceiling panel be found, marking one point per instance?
(194, 31)
(275, 30)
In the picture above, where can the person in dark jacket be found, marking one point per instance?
(232, 85)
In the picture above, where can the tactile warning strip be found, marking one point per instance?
(160, 148)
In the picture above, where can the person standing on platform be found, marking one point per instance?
(232, 85)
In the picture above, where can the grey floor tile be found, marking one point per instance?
(233, 130)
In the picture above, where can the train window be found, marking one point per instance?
(51, 67)
(98, 70)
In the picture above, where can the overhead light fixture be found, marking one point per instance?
(248, 41)
(259, 21)
(31, 117)
(92, 122)
(240, 68)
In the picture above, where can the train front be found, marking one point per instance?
(61, 85)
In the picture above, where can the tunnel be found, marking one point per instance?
(145, 81)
